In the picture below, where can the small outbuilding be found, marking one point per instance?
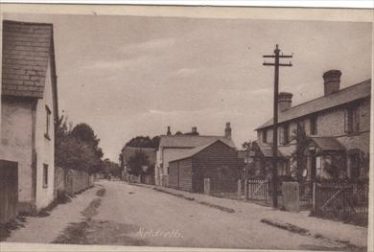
(216, 160)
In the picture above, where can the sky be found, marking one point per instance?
(131, 75)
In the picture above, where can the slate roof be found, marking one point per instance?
(344, 96)
(192, 152)
(129, 151)
(27, 48)
(186, 141)
(266, 149)
(328, 143)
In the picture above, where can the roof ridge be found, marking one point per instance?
(25, 23)
(191, 136)
(333, 94)
(193, 151)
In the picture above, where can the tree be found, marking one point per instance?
(144, 142)
(110, 168)
(77, 148)
(137, 162)
(74, 154)
(247, 145)
(302, 142)
(85, 133)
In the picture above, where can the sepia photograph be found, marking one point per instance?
(158, 128)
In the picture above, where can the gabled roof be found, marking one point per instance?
(327, 143)
(192, 152)
(344, 96)
(186, 141)
(284, 151)
(27, 48)
(266, 149)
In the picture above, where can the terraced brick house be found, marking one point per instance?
(337, 126)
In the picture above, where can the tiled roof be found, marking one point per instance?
(328, 143)
(185, 141)
(27, 49)
(266, 149)
(346, 95)
(129, 151)
(194, 151)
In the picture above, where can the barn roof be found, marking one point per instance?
(192, 152)
(187, 141)
(27, 48)
(344, 96)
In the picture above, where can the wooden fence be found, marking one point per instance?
(258, 189)
(306, 194)
(221, 187)
(8, 191)
(72, 181)
(344, 201)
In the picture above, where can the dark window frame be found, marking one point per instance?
(285, 133)
(313, 125)
(264, 136)
(45, 175)
(352, 120)
(48, 123)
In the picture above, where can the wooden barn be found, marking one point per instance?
(216, 160)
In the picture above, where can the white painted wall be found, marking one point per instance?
(16, 141)
(45, 147)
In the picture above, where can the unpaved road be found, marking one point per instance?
(134, 215)
(123, 214)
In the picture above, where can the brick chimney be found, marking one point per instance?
(194, 130)
(228, 130)
(168, 133)
(331, 81)
(284, 101)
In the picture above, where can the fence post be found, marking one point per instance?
(314, 196)
(266, 190)
(356, 198)
(246, 189)
(207, 186)
(239, 188)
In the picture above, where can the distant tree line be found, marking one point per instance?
(144, 142)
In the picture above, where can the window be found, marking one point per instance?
(45, 175)
(264, 136)
(48, 122)
(351, 118)
(318, 166)
(313, 125)
(284, 135)
(354, 165)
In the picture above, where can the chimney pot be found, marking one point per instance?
(331, 80)
(284, 101)
(169, 131)
(228, 130)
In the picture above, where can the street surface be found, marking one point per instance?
(136, 215)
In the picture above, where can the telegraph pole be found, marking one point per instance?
(276, 65)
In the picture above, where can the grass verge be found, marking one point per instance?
(181, 195)
(305, 232)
